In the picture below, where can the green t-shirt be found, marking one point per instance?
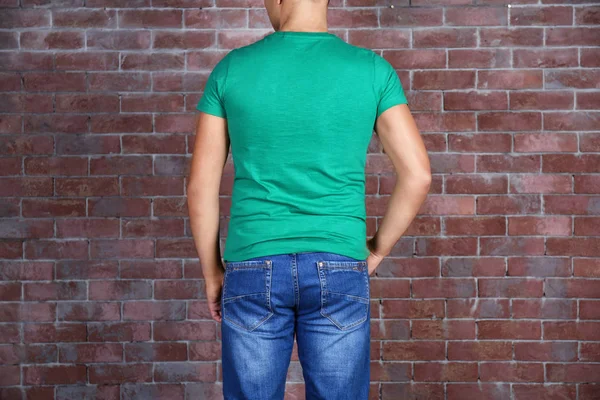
(300, 109)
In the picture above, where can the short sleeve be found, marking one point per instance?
(388, 85)
(212, 100)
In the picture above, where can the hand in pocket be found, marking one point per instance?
(374, 259)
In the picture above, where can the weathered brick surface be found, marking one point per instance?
(492, 293)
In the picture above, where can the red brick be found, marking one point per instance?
(28, 270)
(589, 352)
(151, 186)
(155, 352)
(588, 309)
(445, 37)
(542, 100)
(54, 332)
(412, 390)
(50, 40)
(571, 121)
(479, 16)
(505, 163)
(446, 246)
(480, 266)
(573, 372)
(164, 144)
(446, 372)
(570, 162)
(120, 373)
(478, 308)
(401, 17)
(130, 248)
(168, 248)
(510, 287)
(443, 329)
(587, 267)
(507, 37)
(25, 18)
(546, 351)
(476, 184)
(511, 372)
(163, 18)
(479, 58)
(184, 330)
(452, 163)
(56, 249)
(178, 289)
(581, 288)
(539, 266)
(571, 330)
(544, 309)
(150, 310)
(443, 80)
(417, 350)
(457, 205)
(509, 121)
(119, 331)
(525, 330)
(55, 375)
(83, 18)
(10, 291)
(493, 246)
(67, 290)
(388, 329)
(89, 311)
(475, 100)
(551, 15)
(479, 391)
(587, 184)
(215, 19)
(413, 308)
(396, 288)
(377, 38)
(532, 183)
(545, 142)
(91, 353)
(544, 58)
(551, 226)
(513, 204)
(546, 392)
(455, 287)
(409, 267)
(479, 350)
(588, 391)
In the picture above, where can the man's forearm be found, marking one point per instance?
(204, 224)
(406, 200)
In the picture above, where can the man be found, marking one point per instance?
(298, 108)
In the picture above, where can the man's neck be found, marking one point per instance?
(305, 24)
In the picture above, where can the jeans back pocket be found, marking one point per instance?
(345, 292)
(246, 300)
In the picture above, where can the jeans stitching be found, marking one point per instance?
(321, 266)
(264, 264)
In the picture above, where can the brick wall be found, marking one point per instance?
(492, 294)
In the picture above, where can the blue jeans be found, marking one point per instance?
(321, 299)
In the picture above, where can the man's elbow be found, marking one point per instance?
(419, 180)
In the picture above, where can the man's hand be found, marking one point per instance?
(374, 259)
(214, 289)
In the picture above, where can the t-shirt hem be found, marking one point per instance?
(261, 251)
(390, 105)
(210, 111)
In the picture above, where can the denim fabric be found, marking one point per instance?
(319, 299)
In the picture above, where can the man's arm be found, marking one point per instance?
(209, 156)
(404, 146)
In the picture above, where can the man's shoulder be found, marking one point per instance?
(250, 47)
